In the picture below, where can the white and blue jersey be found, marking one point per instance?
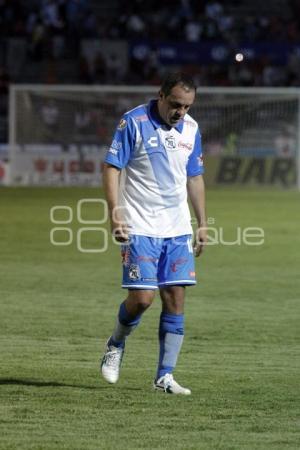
(156, 160)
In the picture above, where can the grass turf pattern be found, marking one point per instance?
(240, 355)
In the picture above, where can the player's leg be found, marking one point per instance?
(128, 318)
(139, 259)
(176, 270)
(171, 328)
(129, 315)
(171, 333)
(140, 277)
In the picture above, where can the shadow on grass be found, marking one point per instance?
(38, 383)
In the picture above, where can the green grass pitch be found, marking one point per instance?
(241, 354)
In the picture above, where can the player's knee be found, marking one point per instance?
(173, 299)
(173, 294)
(144, 304)
(141, 299)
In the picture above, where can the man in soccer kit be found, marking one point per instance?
(153, 165)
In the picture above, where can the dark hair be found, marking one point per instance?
(177, 78)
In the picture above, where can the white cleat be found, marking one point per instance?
(168, 384)
(111, 363)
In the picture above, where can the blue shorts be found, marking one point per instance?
(149, 263)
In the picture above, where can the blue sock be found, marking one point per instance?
(171, 331)
(124, 326)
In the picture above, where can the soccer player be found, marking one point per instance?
(153, 165)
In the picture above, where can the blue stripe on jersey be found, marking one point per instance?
(123, 143)
(195, 165)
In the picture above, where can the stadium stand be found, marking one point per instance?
(116, 42)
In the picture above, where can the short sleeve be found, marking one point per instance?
(195, 161)
(123, 143)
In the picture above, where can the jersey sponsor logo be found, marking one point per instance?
(185, 145)
(115, 147)
(122, 124)
(142, 118)
(153, 141)
(134, 272)
(170, 142)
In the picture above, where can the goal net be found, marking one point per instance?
(59, 134)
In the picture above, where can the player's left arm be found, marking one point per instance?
(196, 192)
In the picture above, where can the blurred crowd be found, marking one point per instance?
(193, 21)
(53, 31)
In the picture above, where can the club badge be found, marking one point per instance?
(134, 272)
(122, 124)
(170, 142)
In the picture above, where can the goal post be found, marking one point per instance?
(59, 134)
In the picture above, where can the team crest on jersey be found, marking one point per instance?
(122, 124)
(134, 272)
(170, 142)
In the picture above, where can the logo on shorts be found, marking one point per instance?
(176, 263)
(134, 272)
(147, 259)
(125, 254)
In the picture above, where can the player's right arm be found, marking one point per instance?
(116, 159)
(111, 177)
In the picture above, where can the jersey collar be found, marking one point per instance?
(155, 119)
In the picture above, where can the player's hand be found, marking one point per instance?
(120, 235)
(200, 240)
(120, 231)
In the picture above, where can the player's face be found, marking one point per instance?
(174, 106)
